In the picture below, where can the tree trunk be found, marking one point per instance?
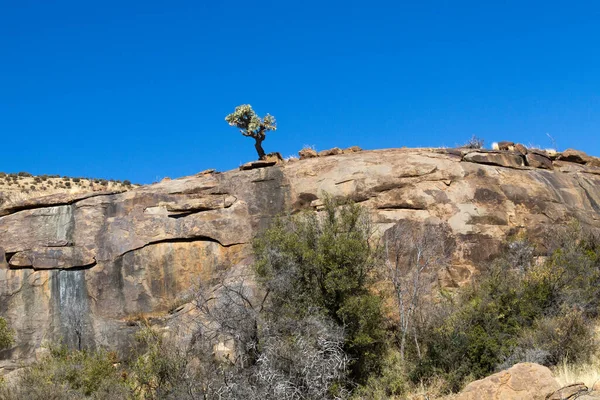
(259, 149)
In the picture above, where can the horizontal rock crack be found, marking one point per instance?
(181, 240)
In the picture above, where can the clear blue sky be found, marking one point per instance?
(139, 89)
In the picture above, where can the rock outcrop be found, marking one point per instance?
(102, 259)
(525, 381)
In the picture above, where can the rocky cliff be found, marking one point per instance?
(80, 267)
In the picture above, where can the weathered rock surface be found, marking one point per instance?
(330, 152)
(105, 258)
(568, 392)
(307, 153)
(525, 381)
(503, 159)
(538, 161)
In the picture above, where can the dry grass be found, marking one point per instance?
(427, 392)
(15, 187)
(567, 374)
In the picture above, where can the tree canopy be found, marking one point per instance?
(250, 124)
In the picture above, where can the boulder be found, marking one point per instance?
(307, 153)
(53, 258)
(257, 164)
(519, 148)
(275, 156)
(352, 149)
(524, 381)
(506, 145)
(509, 160)
(538, 161)
(539, 152)
(330, 152)
(574, 156)
(568, 392)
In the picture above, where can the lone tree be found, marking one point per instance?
(252, 125)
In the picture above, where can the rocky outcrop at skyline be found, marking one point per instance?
(98, 260)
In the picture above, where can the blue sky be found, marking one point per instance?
(139, 89)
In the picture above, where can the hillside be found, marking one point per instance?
(105, 258)
(16, 187)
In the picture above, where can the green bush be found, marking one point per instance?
(325, 263)
(65, 374)
(515, 312)
(6, 334)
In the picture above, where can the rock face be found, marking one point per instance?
(100, 260)
(525, 381)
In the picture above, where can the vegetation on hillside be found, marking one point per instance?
(330, 312)
(6, 334)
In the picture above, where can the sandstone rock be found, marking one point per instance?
(525, 381)
(122, 254)
(206, 172)
(53, 258)
(519, 148)
(275, 156)
(506, 145)
(307, 153)
(593, 162)
(538, 161)
(330, 152)
(568, 392)
(352, 149)
(540, 152)
(575, 156)
(51, 200)
(510, 160)
(588, 396)
(257, 164)
(3, 263)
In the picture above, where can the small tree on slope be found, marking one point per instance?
(251, 125)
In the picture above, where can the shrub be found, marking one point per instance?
(6, 334)
(326, 263)
(474, 143)
(24, 174)
(65, 374)
(518, 311)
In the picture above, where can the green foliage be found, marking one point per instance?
(6, 334)
(65, 374)
(391, 382)
(250, 124)
(158, 369)
(325, 264)
(517, 312)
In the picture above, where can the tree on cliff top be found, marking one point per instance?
(251, 125)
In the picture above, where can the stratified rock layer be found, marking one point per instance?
(98, 261)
